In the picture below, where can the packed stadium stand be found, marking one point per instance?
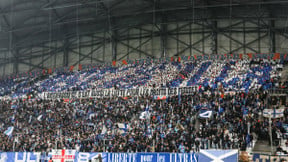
(117, 124)
(143, 80)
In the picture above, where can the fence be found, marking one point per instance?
(121, 93)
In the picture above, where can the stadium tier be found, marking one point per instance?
(232, 75)
(143, 80)
(207, 119)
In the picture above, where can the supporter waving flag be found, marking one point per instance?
(245, 111)
(205, 113)
(179, 98)
(9, 131)
(147, 108)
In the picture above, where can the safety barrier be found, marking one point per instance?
(73, 156)
(65, 156)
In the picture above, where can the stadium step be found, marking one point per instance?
(283, 145)
(284, 73)
(263, 147)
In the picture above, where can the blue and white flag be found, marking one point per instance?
(275, 113)
(220, 110)
(12, 118)
(179, 98)
(14, 106)
(245, 111)
(285, 126)
(144, 115)
(91, 115)
(123, 128)
(218, 155)
(39, 118)
(205, 114)
(147, 108)
(9, 131)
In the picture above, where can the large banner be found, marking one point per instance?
(121, 93)
(152, 157)
(105, 157)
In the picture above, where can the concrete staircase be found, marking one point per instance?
(283, 145)
(284, 73)
(262, 146)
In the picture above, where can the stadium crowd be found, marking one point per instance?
(236, 95)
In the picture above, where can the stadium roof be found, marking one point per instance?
(25, 20)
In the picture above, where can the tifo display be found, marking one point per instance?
(212, 75)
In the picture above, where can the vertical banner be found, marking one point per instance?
(124, 62)
(49, 71)
(276, 56)
(71, 68)
(114, 63)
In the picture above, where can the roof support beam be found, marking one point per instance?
(191, 46)
(249, 43)
(136, 48)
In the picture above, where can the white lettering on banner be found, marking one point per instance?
(272, 158)
(146, 158)
(175, 157)
(20, 160)
(122, 93)
(83, 157)
(118, 157)
(191, 157)
(182, 158)
(160, 158)
(178, 156)
(185, 158)
(132, 157)
(3, 157)
(115, 157)
(124, 157)
(27, 157)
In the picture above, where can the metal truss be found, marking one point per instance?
(209, 30)
(117, 25)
